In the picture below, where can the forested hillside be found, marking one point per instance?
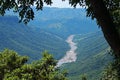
(28, 41)
(92, 57)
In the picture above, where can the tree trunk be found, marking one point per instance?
(105, 21)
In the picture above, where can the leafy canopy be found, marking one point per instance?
(26, 13)
(14, 67)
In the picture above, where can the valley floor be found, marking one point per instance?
(71, 54)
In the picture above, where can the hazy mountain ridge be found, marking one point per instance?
(63, 22)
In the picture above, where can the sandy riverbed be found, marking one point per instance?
(71, 54)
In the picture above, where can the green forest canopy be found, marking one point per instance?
(15, 67)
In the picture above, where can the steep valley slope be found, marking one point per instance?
(27, 41)
(92, 57)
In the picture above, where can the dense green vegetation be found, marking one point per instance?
(112, 71)
(92, 57)
(14, 67)
(28, 41)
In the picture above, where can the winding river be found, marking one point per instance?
(71, 54)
